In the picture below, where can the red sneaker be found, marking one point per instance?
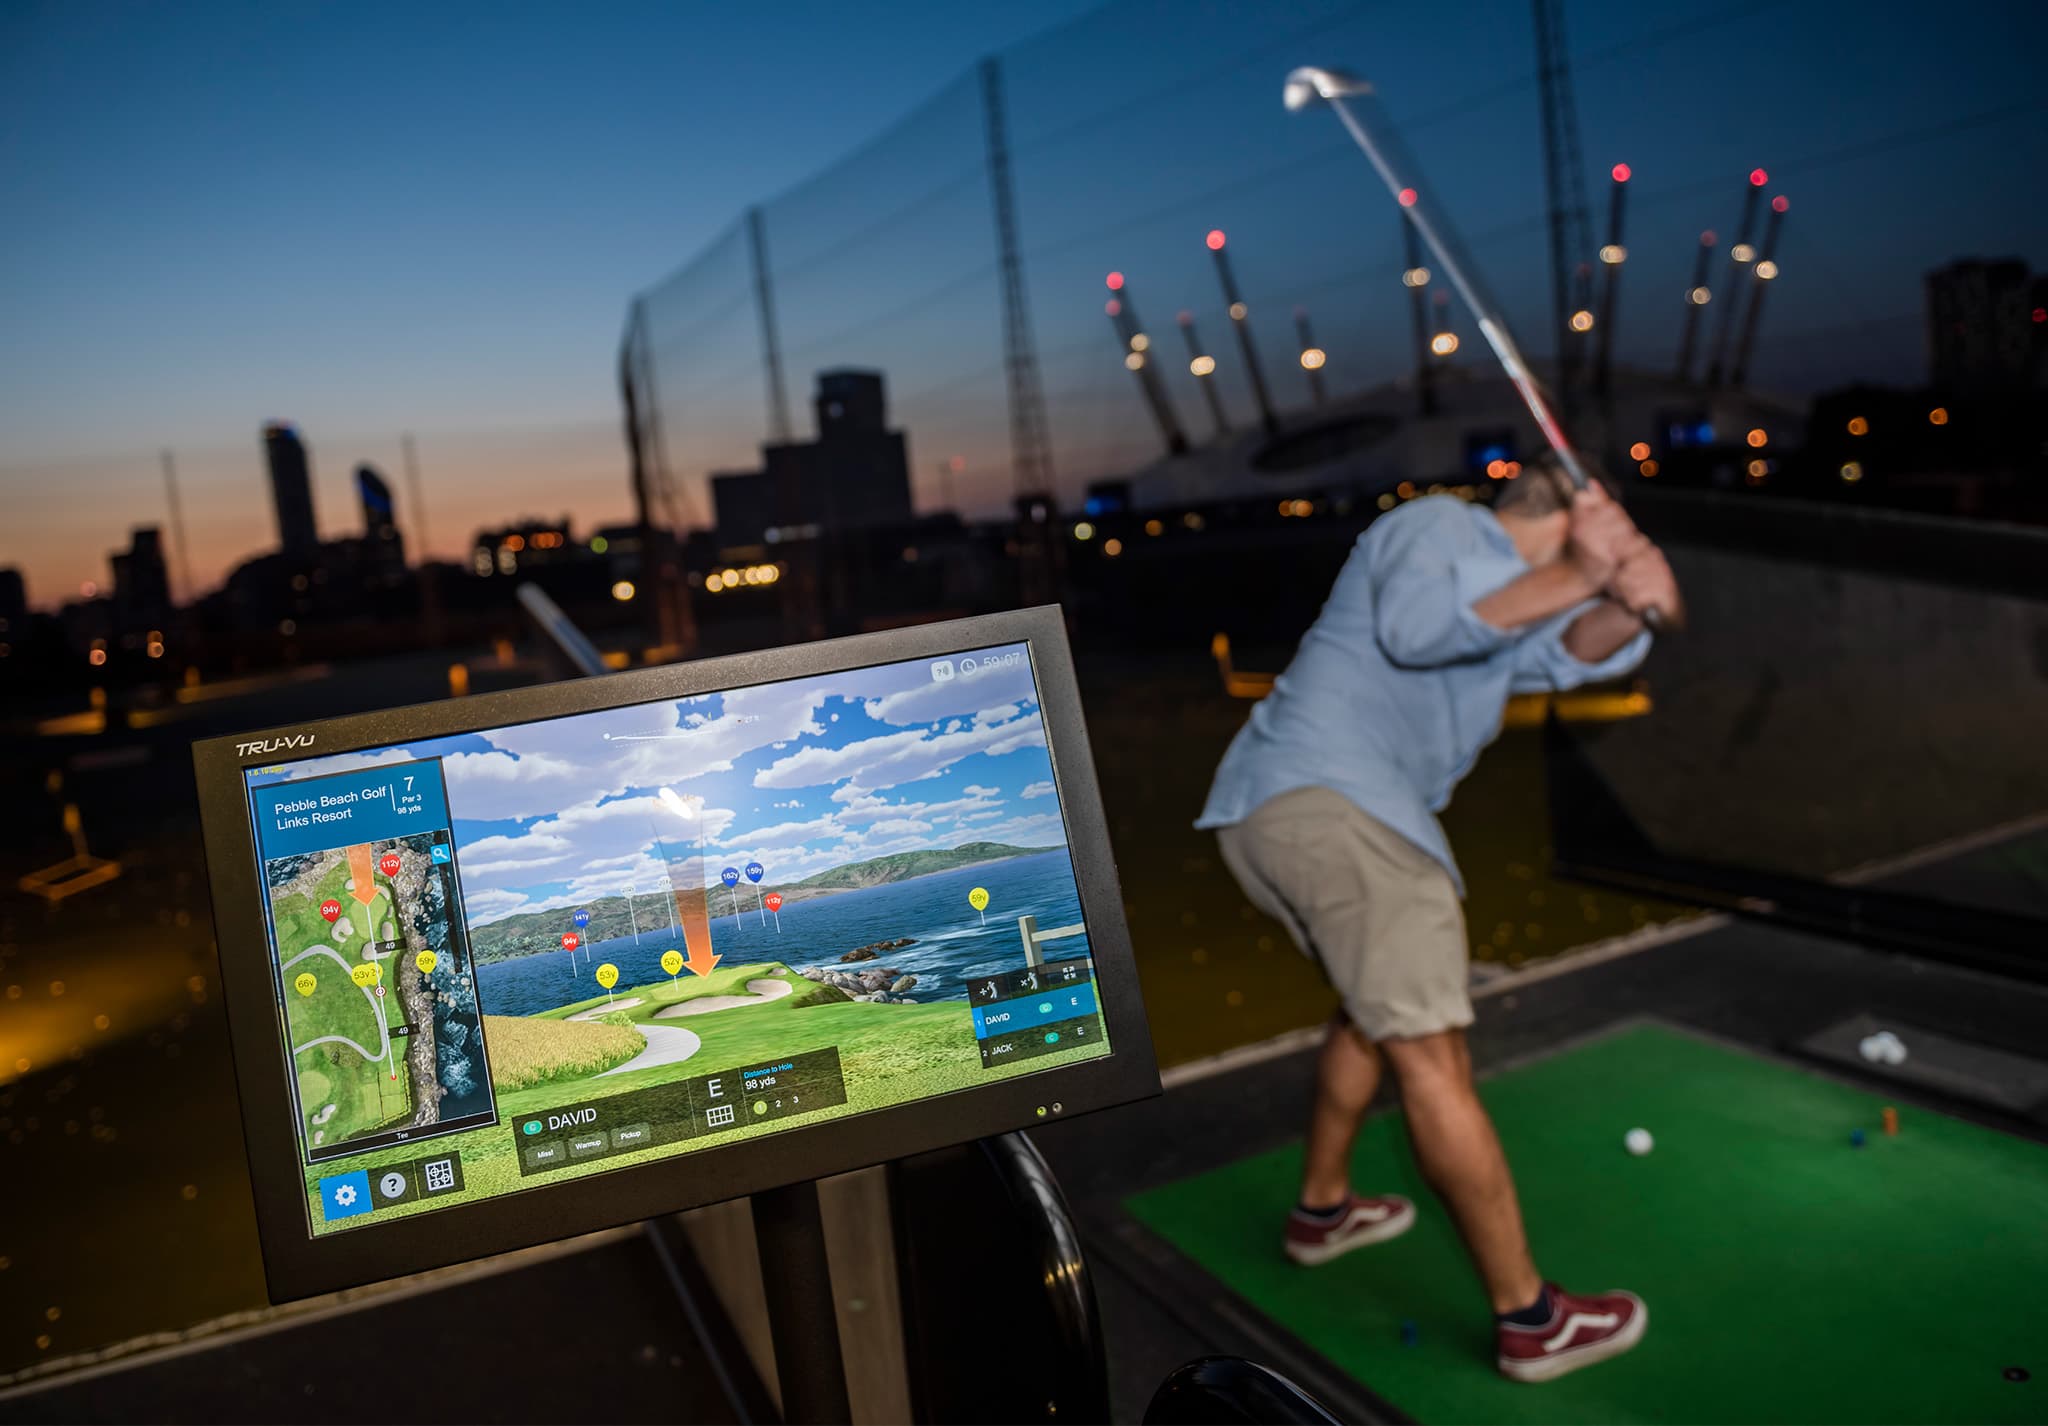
(1580, 1332)
(1365, 1220)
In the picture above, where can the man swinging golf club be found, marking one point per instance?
(1324, 809)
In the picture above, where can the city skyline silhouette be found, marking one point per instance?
(460, 271)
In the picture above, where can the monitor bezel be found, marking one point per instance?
(298, 1264)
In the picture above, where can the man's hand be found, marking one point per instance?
(1602, 537)
(1643, 581)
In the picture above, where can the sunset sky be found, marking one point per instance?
(375, 218)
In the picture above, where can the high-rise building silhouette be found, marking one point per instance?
(744, 505)
(383, 549)
(855, 475)
(291, 489)
(379, 520)
(13, 601)
(142, 582)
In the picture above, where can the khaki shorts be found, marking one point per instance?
(1378, 912)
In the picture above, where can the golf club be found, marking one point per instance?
(1349, 95)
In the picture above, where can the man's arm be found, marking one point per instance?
(1602, 538)
(1642, 581)
(1536, 595)
(1599, 633)
(1427, 568)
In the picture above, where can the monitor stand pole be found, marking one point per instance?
(789, 1235)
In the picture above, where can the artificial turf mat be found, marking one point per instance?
(1789, 1276)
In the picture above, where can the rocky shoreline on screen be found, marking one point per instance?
(876, 985)
(872, 952)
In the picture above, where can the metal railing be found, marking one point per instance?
(1600, 703)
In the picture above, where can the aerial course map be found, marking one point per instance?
(379, 1013)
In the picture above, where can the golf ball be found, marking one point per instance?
(1883, 1048)
(1639, 1142)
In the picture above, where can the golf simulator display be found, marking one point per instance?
(527, 965)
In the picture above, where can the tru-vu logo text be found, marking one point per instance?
(274, 745)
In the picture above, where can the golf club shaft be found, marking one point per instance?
(1491, 325)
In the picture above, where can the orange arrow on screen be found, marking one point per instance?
(702, 959)
(361, 862)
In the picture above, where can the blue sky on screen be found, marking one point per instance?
(800, 776)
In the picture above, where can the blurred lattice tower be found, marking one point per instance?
(1571, 242)
(673, 617)
(1038, 545)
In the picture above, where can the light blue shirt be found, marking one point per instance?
(1398, 685)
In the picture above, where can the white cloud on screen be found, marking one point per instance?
(351, 762)
(540, 768)
(1037, 789)
(918, 698)
(586, 785)
(482, 907)
(896, 758)
(577, 836)
(492, 787)
(897, 827)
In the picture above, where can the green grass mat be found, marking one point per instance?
(1789, 1276)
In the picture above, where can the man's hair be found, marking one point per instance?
(1543, 488)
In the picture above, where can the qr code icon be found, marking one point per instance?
(440, 1175)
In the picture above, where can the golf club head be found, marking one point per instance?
(1310, 85)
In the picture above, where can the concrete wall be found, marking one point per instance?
(1816, 716)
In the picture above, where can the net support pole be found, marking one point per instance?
(177, 511)
(771, 342)
(803, 1318)
(630, 399)
(1030, 443)
(1565, 190)
(419, 499)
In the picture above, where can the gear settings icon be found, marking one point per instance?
(345, 1195)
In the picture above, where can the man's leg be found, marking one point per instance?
(1290, 858)
(1347, 1076)
(1461, 1157)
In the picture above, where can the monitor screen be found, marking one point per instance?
(528, 954)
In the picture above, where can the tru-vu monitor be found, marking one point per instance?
(508, 968)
